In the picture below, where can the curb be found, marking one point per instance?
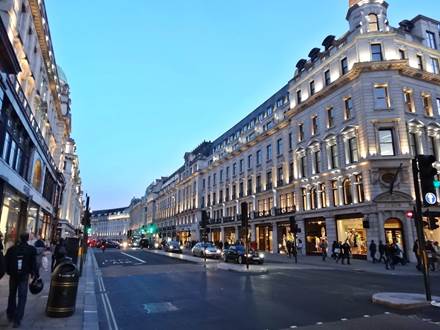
(401, 300)
(182, 256)
(253, 269)
(90, 319)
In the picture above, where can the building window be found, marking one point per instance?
(241, 189)
(269, 180)
(304, 198)
(330, 117)
(221, 175)
(249, 187)
(279, 146)
(280, 176)
(402, 54)
(258, 157)
(234, 169)
(249, 161)
(323, 195)
(302, 166)
(312, 87)
(427, 105)
(335, 192)
(314, 125)
(413, 144)
(291, 137)
(300, 132)
(386, 142)
(381, 97)
(409, 101)
(269, 152)
(359, 188)
(430, 40)
(348, 198)
(348, 107)
(353, 150)
(298, 96)
(313, 198)
(290, 172)
(438, 105)
(420, 62)
(333, 150)
(316, 161)
(241, 165)
(376, 52)
(435, 65)
(209, 182)
(434, 146)
(258, 183)
(344, 65)
(227, 173)
(373, 23)
(327, 79)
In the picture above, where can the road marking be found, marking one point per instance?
(128, 255)
(387, 313)
(344, 319)
(318, 323)
(366, 315)
(293, 327)
(160, 307)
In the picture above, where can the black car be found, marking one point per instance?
(237, 253)
(172, 246)
(112, 244)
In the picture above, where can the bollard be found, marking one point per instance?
(63, 288)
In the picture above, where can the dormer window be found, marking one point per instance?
(430, 40)
(373, 23)
(376, 52)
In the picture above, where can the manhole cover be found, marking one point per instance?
(160, 307)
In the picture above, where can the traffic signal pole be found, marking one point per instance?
(419, 228)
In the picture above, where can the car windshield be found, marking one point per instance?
(175, 243)
(209, 245)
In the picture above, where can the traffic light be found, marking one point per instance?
(244, 215)
(204, 221)
(428, 181)
(409, 214)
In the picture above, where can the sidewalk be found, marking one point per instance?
(355, 265)
(35, 317)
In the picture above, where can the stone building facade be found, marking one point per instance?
(110, 223)
(326, 146)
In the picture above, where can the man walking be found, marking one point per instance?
(324, 246)
(373, 249)
(416, 253)
(20, 263)
(382, 252)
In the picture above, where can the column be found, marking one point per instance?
(274, 237)
(353, 189)
(253, 233)
(222, 234)
(237, 234)
(275, 202)
(307, 206)
(224, 211)
(318, 196)
(330, 227)
(340, 192)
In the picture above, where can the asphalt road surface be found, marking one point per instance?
(149, 291)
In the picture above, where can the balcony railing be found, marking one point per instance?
(268, 186)
(249, 192)
(285, 210)
(280, 183)
(262, 214)
(228, 219)
(258, 189)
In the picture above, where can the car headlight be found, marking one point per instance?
(219, 251)
(124, 245)
(261, 255)
(181, 247)
(156, 245)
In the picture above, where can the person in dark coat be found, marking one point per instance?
(389, 254)
(338, 251)
(346, 251)
(2, 259)
(334, 244)
(59, 253)
(20, 263)
(416, 253)
(382, 252)
(373, 249)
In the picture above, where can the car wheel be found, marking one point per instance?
(240, 260)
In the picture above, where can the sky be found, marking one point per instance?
(151, 79)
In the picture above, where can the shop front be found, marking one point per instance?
(315, 231)
(394, 232)
(283, 235)
(350, 229)
(215, 235)
(264, 237)
(230, 236)
(184, 236)
(432, 235)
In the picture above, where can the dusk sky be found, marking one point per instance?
(150, 80)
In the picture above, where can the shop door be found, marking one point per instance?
(394, 231)
(264, 238)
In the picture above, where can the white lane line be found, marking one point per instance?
(318, 323)
(109, 307)
(293, 327)
(366, 315)
(344, 319)
(105, 306)
(128, 255)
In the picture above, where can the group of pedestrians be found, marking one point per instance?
(340, 251)
(432, 253)
(22, 262)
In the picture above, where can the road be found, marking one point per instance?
(152, 291)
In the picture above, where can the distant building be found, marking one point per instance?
(110, 223)
(136, 211)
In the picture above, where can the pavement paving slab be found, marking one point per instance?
(402, 300)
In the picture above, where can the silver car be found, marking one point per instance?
(206, 249)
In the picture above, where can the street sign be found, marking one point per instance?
(430, 198)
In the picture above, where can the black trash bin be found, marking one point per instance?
(63, 288)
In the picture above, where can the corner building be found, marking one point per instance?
(327, 145)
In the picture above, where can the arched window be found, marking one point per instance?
(373, 23)
(313, 199)
(359, 188)
(348, 198)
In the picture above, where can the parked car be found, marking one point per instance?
(112, 244)
(172, 246)
(206, 249)
(237, 253)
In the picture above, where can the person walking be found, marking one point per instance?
(437, 253)
(373, 249)
(289, 248)
(382, 252)
(389, 254)
(299, 246)
(59, 253)
(324, 246)
(40, 247)
(334, 244)
(338, 251)
(346, 251)
(20, 263)
(104, 245)
(2, 258)
(430, 252)
(416, 253)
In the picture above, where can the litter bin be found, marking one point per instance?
(63, 288)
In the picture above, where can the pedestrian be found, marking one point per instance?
(289, 248)
(40, 248)
(389, 254)
(324, 246)
(338, 251)
(373, 249)
(382, 252)
(334, 244)
(416, 253)
(2, 258)
(431, 255)
(220, 245)
(437, 253)
(299, 246)
(104, 245)
(20, 263)
(59, 253)
(346, 251)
